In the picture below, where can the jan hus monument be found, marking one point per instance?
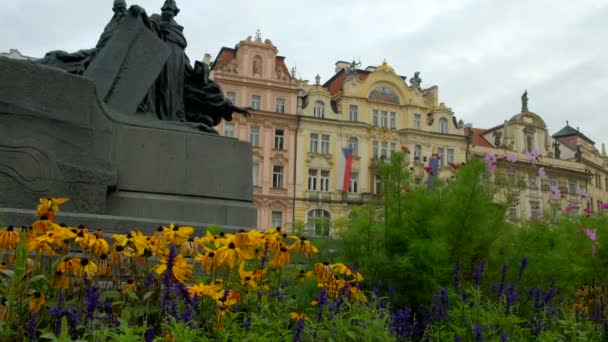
(125, 130)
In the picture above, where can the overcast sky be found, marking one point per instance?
(482, 54)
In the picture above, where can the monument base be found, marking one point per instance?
(59, 140)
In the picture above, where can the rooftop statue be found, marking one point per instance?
(180, 92)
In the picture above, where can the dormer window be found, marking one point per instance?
(319, 109)
(443, 126)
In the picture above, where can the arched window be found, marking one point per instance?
(318, 221)
(353, 145)
(443, 125)
(319, 110)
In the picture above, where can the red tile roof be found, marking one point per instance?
(336, 82)
(477, 135)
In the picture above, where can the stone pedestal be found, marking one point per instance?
(59, 140)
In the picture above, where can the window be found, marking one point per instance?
(353, 113)
(417, 151)
(324, 180)
(572, 187)
(353, 145)
(232, 96)
(441, 154)
(393, 121)
(319, 109)
(256, 102)
(319, 221)
(450, 155)
(279, 136)
(254, 135)
(229, 129)
(514, 212)
(312, 179)
(354, 182)
(535, 211)
(606, 181)
(599, 205)
(511, 178)
(277, 176)
(383, 150)
(313, 146)
(553, 182)
(417, 121)
(375, 149)
(393, 148)
(280, 105)
(533, 182)
(375, 118)
(256, 173)
(277, 219)
(384, 119)
(377, 185)
(443, 126)
(325, 143)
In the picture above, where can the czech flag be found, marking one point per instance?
(345, 168)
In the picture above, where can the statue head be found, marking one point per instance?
(169, 9)
(119, 6)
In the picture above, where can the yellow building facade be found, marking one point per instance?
(569, 160)
(373, 112)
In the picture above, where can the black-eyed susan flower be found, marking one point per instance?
(103, 265)
(87, 267)
(282, 257)
(298, 316)
(201, 290)
(60, 280)
(99, 245)
(9, 238)
(3, 266)
(41, 226)
(129, 285)
(182, 270)
(49, 206)
(178, 235)
(189, 248)
(68, 265)
(247, 277)
(303, 245)
(40, 247)
(208, 260)
(36, 302)
(231, 255)
(323, 272)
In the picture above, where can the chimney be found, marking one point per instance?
(207, 59)
(341, 65)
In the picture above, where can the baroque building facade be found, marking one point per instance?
(252, 74)
(573, 175)
(369, 113)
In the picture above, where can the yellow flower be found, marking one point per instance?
(60, 280)
(178, 235)
(208, 260)
(231, 255)
(323, 272)
(343, 269)
(118, 252)
(298, 316)
(103, 266)
(87, 267)
(9, 238)
(3, 266)
(304, 245)
(140, 243)
(40, 247)
(213, 291)
(41, 226)
(37, 301)
(129, 285)
(99, 245)
(68, 265)
(281, 258)
(247, 277)
(188, 248)
(49, 206)
(182, 270)
(241, 239)
(304, 275)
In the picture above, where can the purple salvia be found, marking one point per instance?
(511, 295)
(457, 275)
(504, 337)
(92, 303)
(522, 267)
(402, 324)
(247, 323)
(31, 327)
(150, 334)
(501, 286)
(478, 332)
(298, 329)
(478, 273)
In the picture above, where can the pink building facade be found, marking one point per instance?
(252, 74)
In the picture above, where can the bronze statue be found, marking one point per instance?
(524, 102)
(556, 151)
(416, 80)
(497, 136)
(578, 155)
(180, 93)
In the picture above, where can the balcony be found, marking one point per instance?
(318, 195)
